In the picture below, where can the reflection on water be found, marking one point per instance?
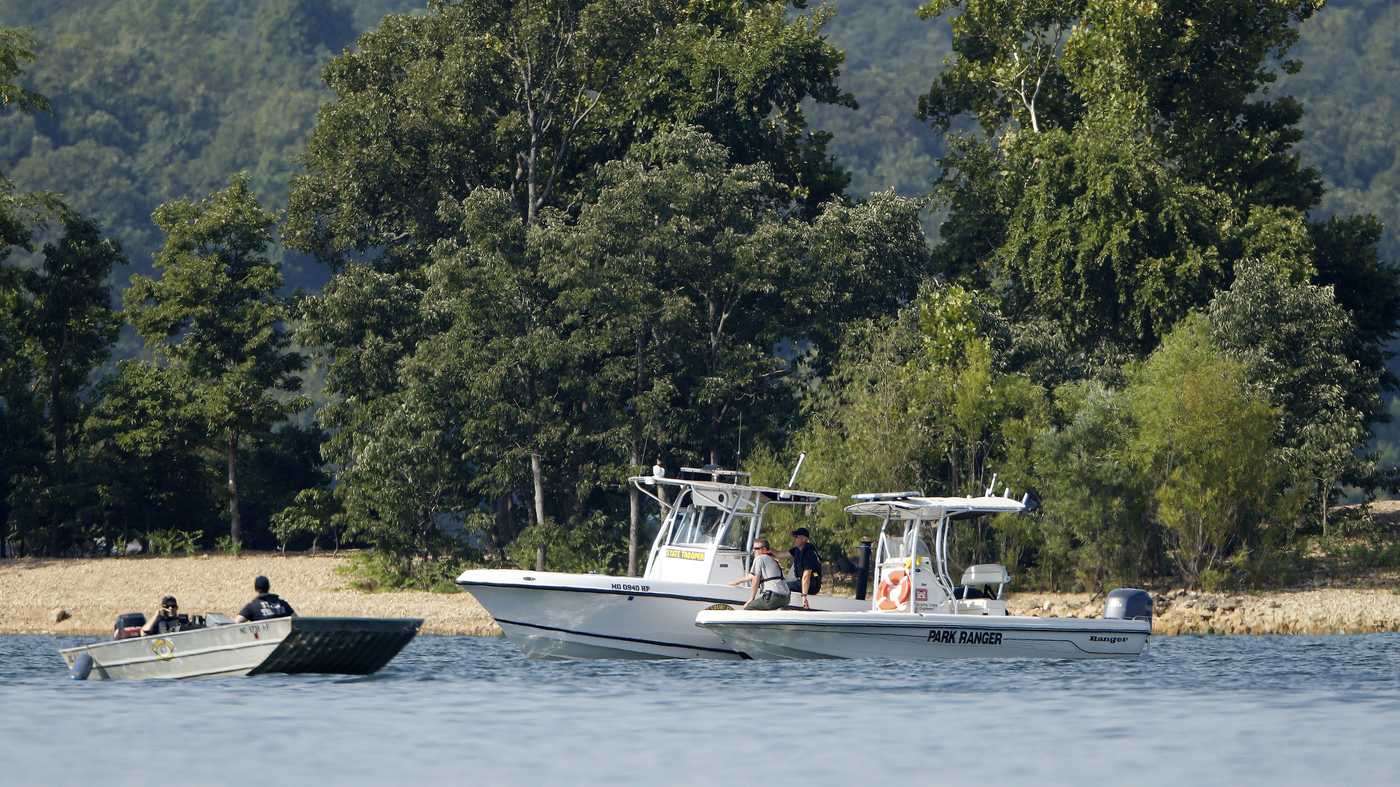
(1260, 710)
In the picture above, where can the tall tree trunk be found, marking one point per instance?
(634, 495)
(235, 521)
(634, 531)
(60, 464)
(537, 470)
(505, 521)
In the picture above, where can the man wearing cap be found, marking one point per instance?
(806, 566)
(166, 621)
(266, 605)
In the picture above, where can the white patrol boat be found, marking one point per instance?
(710, 520)
(918, 613)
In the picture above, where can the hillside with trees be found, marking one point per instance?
(1134, 261)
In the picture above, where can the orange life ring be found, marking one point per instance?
(896, 583)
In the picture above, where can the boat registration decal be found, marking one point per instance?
(685, 554)
(964, 637)
(625, 586)
(163, 649)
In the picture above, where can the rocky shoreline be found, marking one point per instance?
(84, 596)
(1312, 611)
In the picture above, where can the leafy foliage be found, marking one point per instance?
(168, 542)
(527, 98)
(215, 318)
(155, 100)
(553, 269)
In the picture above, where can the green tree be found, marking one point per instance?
(1204, 441)
(315, 512)
(26, 439)
(143, 444)
(1293, 339)
(679, 261)
(1094, 527)
(689, 273)
(864, 429)
(69, 328)
(16, 47)
(215, 317)
(1131, 155)
(562, 356)
(528, 97)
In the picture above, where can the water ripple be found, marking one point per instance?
(1277, 710)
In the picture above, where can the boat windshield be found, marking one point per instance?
(697, 525)
(737, 536)
(898, 547)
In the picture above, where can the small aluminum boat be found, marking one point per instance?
(918, 613)
(345, 646)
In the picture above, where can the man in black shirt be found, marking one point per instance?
(166, 621)
(266, 605)
(806, 566)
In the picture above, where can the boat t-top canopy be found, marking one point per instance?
(913, 506)
(710, 521)
(768, 494)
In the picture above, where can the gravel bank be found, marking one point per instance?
(36, 592)
(1325, 611)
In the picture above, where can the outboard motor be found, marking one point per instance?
(129, 625)
(1128, 604)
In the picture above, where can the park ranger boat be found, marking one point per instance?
(918, 613)
(710, 518)
(214, 645)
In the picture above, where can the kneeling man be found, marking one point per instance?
(768, 589)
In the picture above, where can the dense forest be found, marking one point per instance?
(295, 272)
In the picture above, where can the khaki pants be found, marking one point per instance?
(767, 599)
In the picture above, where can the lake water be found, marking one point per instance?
(465, 710)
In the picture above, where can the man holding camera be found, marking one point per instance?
(166, 621)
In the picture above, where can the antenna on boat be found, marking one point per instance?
(795, 470)
(993, 488)
(739, 448)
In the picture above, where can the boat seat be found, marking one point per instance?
(986, 574)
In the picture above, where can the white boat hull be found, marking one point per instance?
(355, 646)
(784, 634)
(593, 616)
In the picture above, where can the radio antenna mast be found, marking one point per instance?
(795, 470)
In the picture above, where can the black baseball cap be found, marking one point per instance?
(169, 601)
(801, 531)
(261, 584)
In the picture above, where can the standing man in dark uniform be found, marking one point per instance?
(266, 605)
(806, 566)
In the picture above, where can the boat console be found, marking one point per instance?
(914, 578)
(711, 517)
